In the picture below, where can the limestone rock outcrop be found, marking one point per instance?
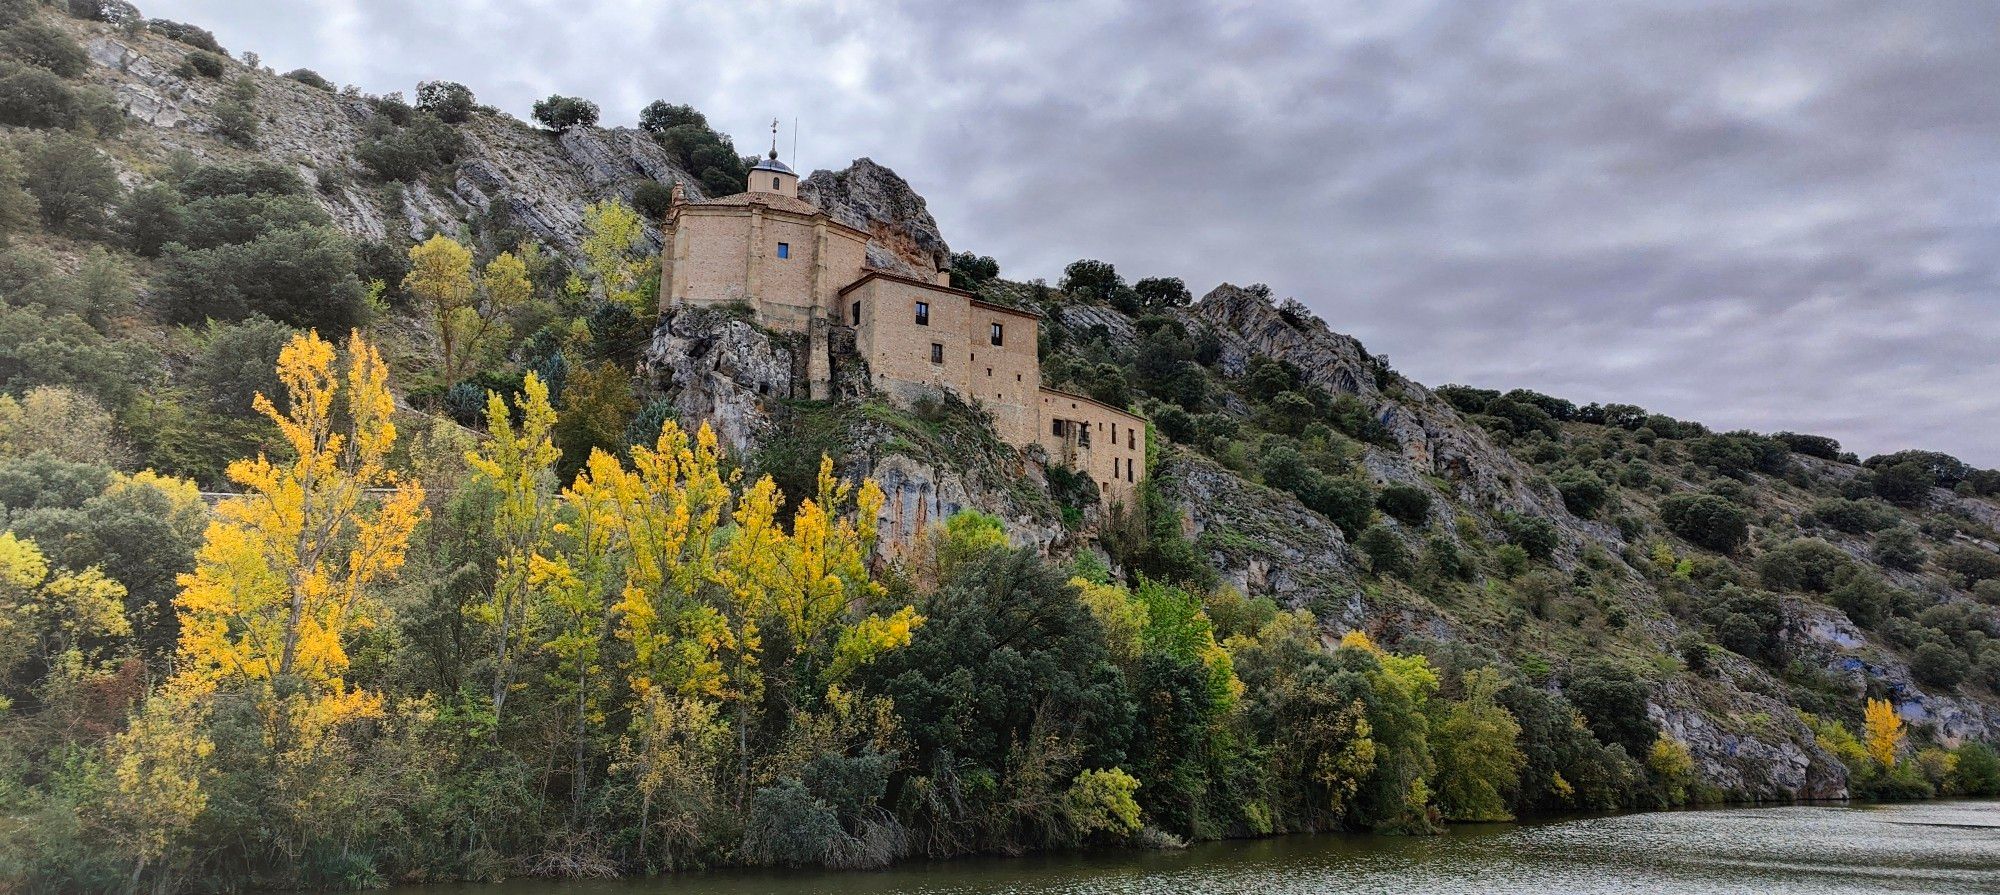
(868, 196)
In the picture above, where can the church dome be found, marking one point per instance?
(771, 164)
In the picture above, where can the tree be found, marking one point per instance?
(36, 97)
(1672, 766)
(441, 277)
(610, 246)
(1479, 759)
(1613, 702)
(1091, 279)
(1882, 731)
(1406, 503)
(303, 277)
(285, 571)
(18, 208)
(1906, 483)
(1897, 548)
(72, 182)
(560, 113)
(159, 763)
(519, 464)
(50, 617)
(150, 217)
(970, 271)
(450, 101)
(1706, 520)
(1162, 292)
(44, 45)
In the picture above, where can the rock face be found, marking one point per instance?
(721, 369)
(868, 196)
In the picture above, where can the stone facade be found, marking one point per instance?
(803, 272)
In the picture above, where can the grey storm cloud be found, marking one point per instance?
(1760, 215)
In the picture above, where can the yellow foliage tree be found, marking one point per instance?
(1882, 730)
(47, 614)
(158, 763)
(441, 277)
(614, 232)
(519, 463)
(286, 569)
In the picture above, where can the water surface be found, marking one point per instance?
(1931, 847)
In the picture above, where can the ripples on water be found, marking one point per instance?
(1937, 847)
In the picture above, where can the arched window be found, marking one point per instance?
(774, 183)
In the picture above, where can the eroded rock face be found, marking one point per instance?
(722, 370)
(869, 196)
(1824, 637)
(1780, 764)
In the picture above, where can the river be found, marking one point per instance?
(1931, 847)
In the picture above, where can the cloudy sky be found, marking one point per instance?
(1768, 215)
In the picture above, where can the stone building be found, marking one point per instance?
(800, 271)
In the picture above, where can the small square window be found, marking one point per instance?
(989, 372)
(784, 250)
(996, 334)
(923, 313)
(1017, 377)
(937, 353)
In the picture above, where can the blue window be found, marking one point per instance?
(784, 250)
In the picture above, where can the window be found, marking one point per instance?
(1083, 435)
(784, 250)
(1017, 377)
(1056, 428)
(996, 333)
(1131, 438)
(989, 372)
(774, 182)
(923, 313)
(937, 353)
(1114, 434)
(857, 313)
(1128, 472)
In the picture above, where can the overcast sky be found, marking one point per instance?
(1768, 215)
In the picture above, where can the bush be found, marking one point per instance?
(72, 182)
(1854, 516)
(1613, 702)
(1747, 622)
(208, 65)
(38, 43)
(1385, 552)
(450, 101)
(200, 38)
(235, 119)
(1162, 292)
(248, 179)
(653, 199)
(1533, 534)
(1970, 564)
(1905, 484)
(310, 78)
(1583, 493)
(36, 97)
(238, 361)
(1807, 564)
(39, 348)
(1938, 665)
(1706, 520)
(560, 113)
(1737, 454)
(226, 220)
(970, 271)
(408, 153)
(304, 277)
(150, 217)
(1406, 503)
(1510, 560)
(1810, 445)
(1897, 548)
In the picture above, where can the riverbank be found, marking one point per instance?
(1820, 849)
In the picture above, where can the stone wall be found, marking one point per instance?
(1094, 438)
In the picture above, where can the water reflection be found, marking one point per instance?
(1938, 847)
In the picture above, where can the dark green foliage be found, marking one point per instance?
(1346, 502)
(1811, 445)
(684, 133)
(151, 216)
(1943, 470)
(235, 118)
(560, 113)
(44, 45)
(1907, 483)
(1146, 540)
(1167, 370)
(39, 348)
(1406, 503)
(1747, 622)
(1854, 517)
(1807, 564)
(1598, 777)
(1533, 534)
(1706, 520)
(450, 101)
(237, 362)
(1938, 665)
(1613, 702)
(213, 221)
(248, 179)
(1978, 772)
(304, 277)
(1162, 292)
(970, 271)
(35, 97)
(200, 38)
(1465, 398)
(43, 481)
(1864, 597)
(207, 65)
(310, 78)
(1740, 453)
(1583, 493)
(1099, 281)
(653, 199)
(427, 144)
(1897, 548)
(1557, 408)
(1969, 564)
(1385, 552)
(73, 182)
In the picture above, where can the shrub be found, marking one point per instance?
(1854, 516)
(450, 101)
(38, 43)
(1613, 702)
(1385, 552)
(249, 179)
(560, 113)
(653, 199)
(150, 217)
(1810, 445)
(235, 119)
(970, 271)
(1747, 622)
(237, 362)
(426, 145)
(304, 277)
(1807, 564)
(1905, 484)
(1970, 564)
(310, 78)
(39, 348)
(1406, 503)
(1533, 534)
(1162, 292)
(36, 97)
(1897, 548)
(1706, 520)
(1510, 560)
(208, 65)
(1864, 597)
(1583, 493)
(226, 220)
(1938, 665)
(72, 182)
(200, 38)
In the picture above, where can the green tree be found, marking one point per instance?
(1706, 520)
(560, 113)
(450, 101)
(73, 183)
(1479, 760)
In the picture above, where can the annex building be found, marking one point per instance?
(803, 272)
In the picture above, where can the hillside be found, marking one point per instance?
(1613, 582)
